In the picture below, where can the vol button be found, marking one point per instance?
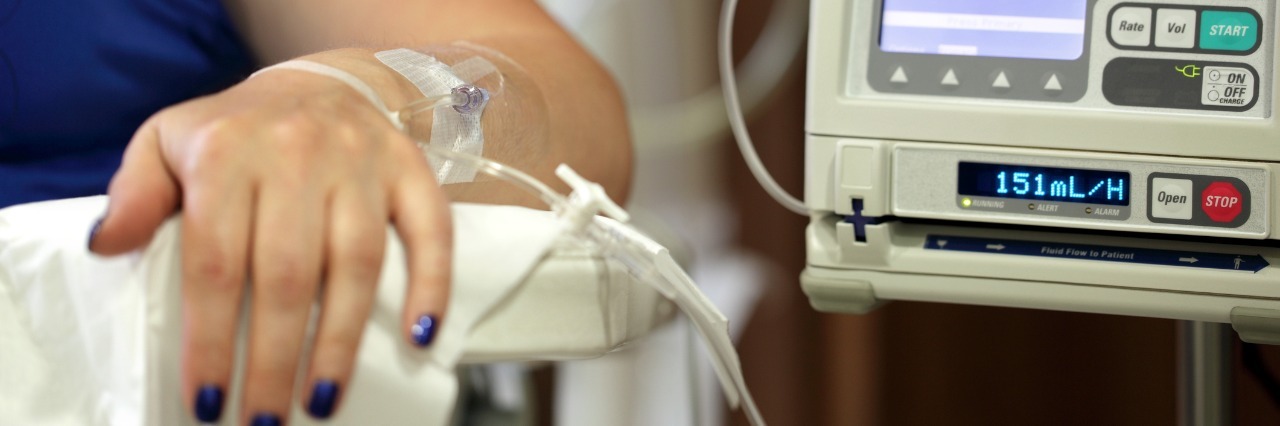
(1221, 201)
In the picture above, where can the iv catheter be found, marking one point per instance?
(465, 99)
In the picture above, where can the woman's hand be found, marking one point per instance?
(287, 180)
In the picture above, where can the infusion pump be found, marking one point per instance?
(1085, 155)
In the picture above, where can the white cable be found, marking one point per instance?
(733, 106)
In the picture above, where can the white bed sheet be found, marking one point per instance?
(91, 340)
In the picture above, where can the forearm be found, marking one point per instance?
(585, 119)
(560, 106)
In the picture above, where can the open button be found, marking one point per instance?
(1171, 198)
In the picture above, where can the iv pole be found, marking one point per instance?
(1204, 373)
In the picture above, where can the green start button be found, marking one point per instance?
(1224, 30)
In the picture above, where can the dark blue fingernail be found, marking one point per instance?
(93, 232)
(424, 331)
(208, 404)
(324, 397)
(265, 419)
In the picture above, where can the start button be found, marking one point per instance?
(1221, 201)
(1228, 30)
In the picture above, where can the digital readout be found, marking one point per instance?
(1044, 183)
(1031, 29)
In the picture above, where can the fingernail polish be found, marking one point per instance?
(424, 331)
(93, 232)
(324, 397)
(208, 404)
(265, 419)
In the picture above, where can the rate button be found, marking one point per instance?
(1221, 201)
(1131, 26)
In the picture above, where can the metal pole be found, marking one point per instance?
(1204, 373)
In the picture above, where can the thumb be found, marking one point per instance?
(142, 195)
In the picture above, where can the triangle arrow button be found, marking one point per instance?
(1002, 81)
(950, 78)
(899, 76)
(1053, 85)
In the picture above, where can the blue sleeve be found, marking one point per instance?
(77, 77)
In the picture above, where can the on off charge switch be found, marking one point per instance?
(1221, 201)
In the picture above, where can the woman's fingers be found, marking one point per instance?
(420, 213)
(287, 253)
(142, 194)
(355, 246)
(288, 200)
(215, 229)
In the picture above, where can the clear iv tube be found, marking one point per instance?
(642, 256)
(498, 170)
(606, 239)
(602, 237)
(430, 102)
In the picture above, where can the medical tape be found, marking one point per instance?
(454, 130)
(474, 69)
(338, 74)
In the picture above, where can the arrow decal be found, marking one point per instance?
(1186, 259)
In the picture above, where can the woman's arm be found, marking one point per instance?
(290, 178)
(586, 118)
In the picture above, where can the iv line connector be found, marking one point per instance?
(469, 99)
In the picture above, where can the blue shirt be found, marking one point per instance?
(77, 78)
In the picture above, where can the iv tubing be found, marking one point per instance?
(643, 258)
(738, 123)
(499, 170)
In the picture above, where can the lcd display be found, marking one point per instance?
(1029, 29)
(1044, 183)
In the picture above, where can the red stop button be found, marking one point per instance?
(1221, 201)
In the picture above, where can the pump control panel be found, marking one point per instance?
(1091, 155)
(1154, 55)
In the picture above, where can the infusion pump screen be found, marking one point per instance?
(1027, 29)
(1044, 183)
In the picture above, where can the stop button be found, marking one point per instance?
(1221, 201)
